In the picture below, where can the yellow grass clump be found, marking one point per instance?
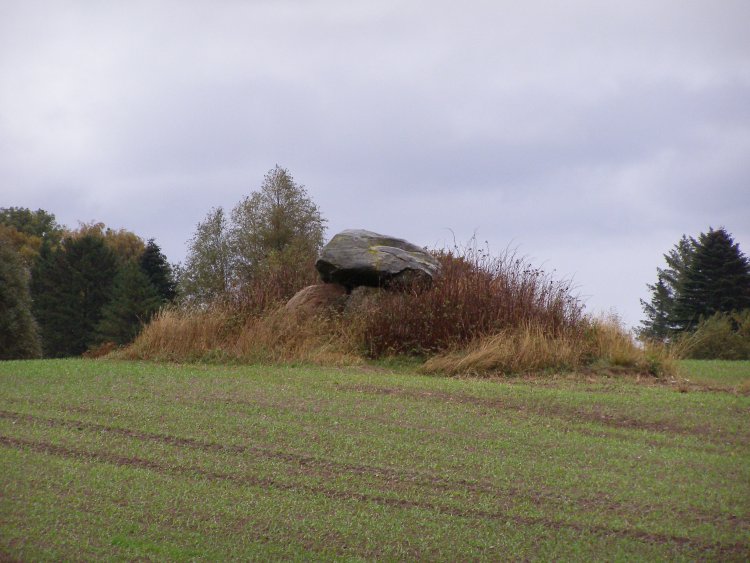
(181, 335)
(278, 336)
(519, 350)
(216, 334)
(602, 345)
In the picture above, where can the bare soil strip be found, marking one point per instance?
(558, 411)
(434, 481)
(724, 549)
(394, 479)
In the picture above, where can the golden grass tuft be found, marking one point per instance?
(609, 345)
(216, 334)
(602, 345)
(514, 351)
(181, 335)
(279, 336)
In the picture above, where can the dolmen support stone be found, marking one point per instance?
(315, 299)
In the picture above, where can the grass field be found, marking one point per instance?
(719, 374)
(127, 460)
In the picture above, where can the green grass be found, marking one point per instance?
(127, 460)
(722, 373)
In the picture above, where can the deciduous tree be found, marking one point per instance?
(207, 271)
(19, 337)
(26, 230)
(126, 245)
(280, 222)
(274, 234)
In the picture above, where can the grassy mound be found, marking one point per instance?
(482, 315)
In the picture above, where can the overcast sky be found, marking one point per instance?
(591, 135)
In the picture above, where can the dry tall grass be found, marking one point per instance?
(182, 335)
(272, 286)
(517, 350)
(278, 336)
(218, 334)
(604, 345)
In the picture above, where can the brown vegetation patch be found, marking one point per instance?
(100, 351)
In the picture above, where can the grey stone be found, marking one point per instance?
(357, 257)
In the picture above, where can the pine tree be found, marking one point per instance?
(659, 321)
(70, 287)
(716, 280)
(134, 301)
(53, 302)
(19, 337)
(154, 264)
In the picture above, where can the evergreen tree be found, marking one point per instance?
(134, 300)
(716, 280)
(52, 299)
(703, 277)
(659, 322)
(70, 287)
(19, 337)
(154, 264)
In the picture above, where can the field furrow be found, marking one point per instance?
(170, 462)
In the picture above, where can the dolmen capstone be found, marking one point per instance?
(356, 257)
(354, 260)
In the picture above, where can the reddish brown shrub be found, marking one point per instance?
(474, 296)
(271, 287)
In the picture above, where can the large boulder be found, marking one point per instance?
(357, 257)
(317, 299)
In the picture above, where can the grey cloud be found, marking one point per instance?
(578, 130)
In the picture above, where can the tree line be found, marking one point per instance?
(65, 291)
(68, 290)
